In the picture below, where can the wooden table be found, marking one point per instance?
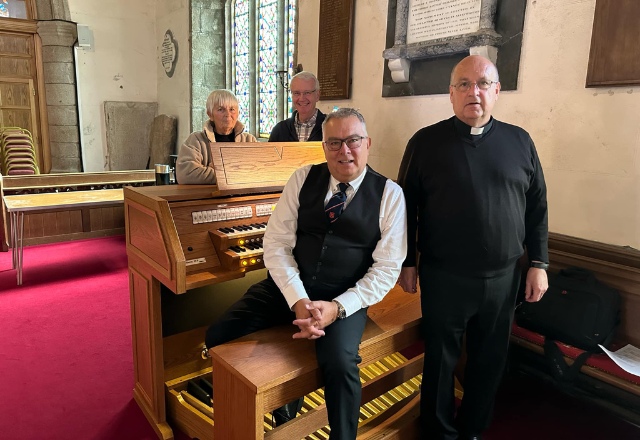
(17, 205)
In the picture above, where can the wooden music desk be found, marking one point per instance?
(17, 205)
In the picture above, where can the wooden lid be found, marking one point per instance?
(260, 167)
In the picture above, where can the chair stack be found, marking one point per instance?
(17, 153)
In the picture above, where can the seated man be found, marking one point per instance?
(326, 269)
(306, 123)
(194, 164)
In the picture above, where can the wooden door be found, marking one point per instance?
(17, 85)
(18, 105)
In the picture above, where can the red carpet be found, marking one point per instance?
(529, 409)
(66, 363)
(65, 345)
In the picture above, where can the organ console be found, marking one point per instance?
(186, 245)
(183, 237)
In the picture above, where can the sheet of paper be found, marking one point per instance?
(627, 358)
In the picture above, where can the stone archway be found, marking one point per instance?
(58, 35)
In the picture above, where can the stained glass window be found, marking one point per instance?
(268, 59)
(242, 68)
(256, 81)
(291, 48)
(13, 8)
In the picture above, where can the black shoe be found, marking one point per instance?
(287, 412)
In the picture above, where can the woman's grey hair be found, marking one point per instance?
(220, 97)
(305, 76)
(343, 113)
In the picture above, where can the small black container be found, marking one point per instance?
(162, 174)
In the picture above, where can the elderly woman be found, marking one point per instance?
(194, 164)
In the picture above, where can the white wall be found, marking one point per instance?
(588, 139)
(174, 93)
(120, 67)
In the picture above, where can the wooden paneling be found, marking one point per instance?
(63, 220)
(18, 105)
(14, 94)
(72, 224)
(145, 236)
(22, 102)
(14, 45)
(140, 305)
(18, 67)
(16, 118)
(24, 26)
(613, 58)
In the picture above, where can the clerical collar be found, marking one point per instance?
(473, 132)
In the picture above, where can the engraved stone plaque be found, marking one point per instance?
(169, 53)
(434, 19)
(419, 59)
(334, 48)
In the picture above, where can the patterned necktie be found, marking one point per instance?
(335, 205)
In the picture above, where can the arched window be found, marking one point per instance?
(263, 45)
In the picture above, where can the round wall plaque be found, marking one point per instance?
(169, 53)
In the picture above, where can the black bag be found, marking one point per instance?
(577, 310)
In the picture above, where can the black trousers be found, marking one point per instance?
(451, 305)
(264, 306)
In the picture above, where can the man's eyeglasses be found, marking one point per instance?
(352, 143)
(306, 93)
(464, 86)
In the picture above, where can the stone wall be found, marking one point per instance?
(208, 64)
(58, 36)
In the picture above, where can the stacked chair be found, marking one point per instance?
(17, 153)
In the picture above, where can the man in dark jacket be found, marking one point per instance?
(476, 197)
(306, 122)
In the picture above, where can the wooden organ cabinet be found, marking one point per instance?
(182, 237)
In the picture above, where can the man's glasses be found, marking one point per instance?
(464, 86)
(306, 93)
(352, 143)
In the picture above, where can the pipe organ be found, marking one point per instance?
(181, 237)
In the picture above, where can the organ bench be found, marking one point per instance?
(264, 370)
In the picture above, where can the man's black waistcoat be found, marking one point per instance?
(332, 257)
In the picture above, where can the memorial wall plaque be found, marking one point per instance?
(434, 19)
(427, 38)
(334, 48)
(169, 53)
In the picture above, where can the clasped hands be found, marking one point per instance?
(312, 317)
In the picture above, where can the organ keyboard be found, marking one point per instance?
(240, 246)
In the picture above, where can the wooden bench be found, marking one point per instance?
(262, 371)
(618, 267)
(76, 223)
